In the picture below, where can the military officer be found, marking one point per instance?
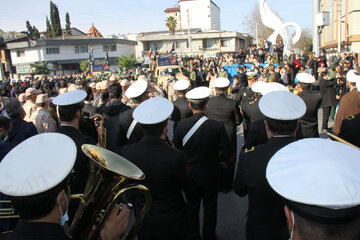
(266, 218)
(308, 124)
(39, 188)
(165, 171)
(69, 107)
(204, 141)
(41, 118)
(30, 105)
(318, 181)
(181, 104)
(129, 130)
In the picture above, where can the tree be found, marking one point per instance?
(126, 62)
(38, 69)
(68, 24)
(30, 29)
(55, 20)
(171, 24)
(84, 66)
(253, 19)
(36, 33)
(48, 32)
(305, 42)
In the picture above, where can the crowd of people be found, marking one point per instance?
(276, 103)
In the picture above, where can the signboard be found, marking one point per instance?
(100, 62)
(50, 66)
(167, 61)
(97, 68)
(23, 69)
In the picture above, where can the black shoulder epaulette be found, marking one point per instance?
(247, 150)
(351, 117)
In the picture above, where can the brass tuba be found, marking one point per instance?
(105, 185)
(100, 129)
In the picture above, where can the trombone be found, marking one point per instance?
(336, 138)
(9, 212)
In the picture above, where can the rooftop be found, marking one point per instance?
(170, 10)
(94, 32)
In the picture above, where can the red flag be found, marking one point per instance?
(150, 53)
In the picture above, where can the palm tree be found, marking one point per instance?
(171, 24)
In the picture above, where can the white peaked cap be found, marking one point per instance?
(282, 105)
(221, 82)
(352, 76)
(198, 93)
(154, 110)
(273, 87)
(259, 86)
(70, 98)
(181, 85)
(317, 172)
(136, 89)
(37, 164)
(305, 78)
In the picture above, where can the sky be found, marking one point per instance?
(134, 16)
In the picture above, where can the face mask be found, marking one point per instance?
(5, 138)
(256, 71)
(293, 224)
(64, 218)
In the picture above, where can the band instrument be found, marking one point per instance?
(106, 183)
(99, 119)
(336, 138)
(7, 212)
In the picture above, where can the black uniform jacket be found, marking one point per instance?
(251, 109)
(181, 110)
(225, 110)
(328, 92)
(256, 135)
(165, 171)
(125, 120)
(266, 217)
(308, 127)
(81, 166)
(350, 130)
(36, 231)
(203, 149)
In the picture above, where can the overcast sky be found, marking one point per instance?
(134, 16)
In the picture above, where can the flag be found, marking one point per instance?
(173, 48)
(107, 58)
(150, 53)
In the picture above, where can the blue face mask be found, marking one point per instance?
(5, 138)
(64, 218)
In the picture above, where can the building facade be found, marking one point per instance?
(64, 54)
(175, 13)
(343, 29)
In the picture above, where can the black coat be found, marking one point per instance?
(125, 120)
(266, 216)
(308, 124)
(204, 149)
(256, 135)
(164, 169)
(181, 110)
(36, 231)
(227, 111)
(111, 113)
(20, 131)
(81, 166)
(251, 110)
(350, 130)
(328, 92)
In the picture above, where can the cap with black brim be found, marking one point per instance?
(198, 94)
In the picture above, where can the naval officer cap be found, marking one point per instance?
(305, 78)
(221, 83)
(70, 98)
(282, 105)
(353, 76)
(181, 85)
(153, 111)
(259, 87)
(251, 75)
(37, 164)
(318, 179)
(198, 94)
(136, 89)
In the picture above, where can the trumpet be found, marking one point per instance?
(106, 184)
(9, 212)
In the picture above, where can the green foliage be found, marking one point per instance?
(171, 24)
(36, 33)
(126, 62)
(48, 32)
(84, 66)
(29, 29)
(68, 24)
(55, 20)
(40, 68)
(32, 31)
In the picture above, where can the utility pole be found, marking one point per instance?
(257, 36)
(189, 36)
(339, 26)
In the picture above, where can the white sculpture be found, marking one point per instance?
(269, 19)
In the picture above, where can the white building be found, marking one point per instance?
(65, 53)
(203, 14)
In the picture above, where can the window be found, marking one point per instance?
(20, 53)
(210, 43)
(225, 43)
(55, 50)
(177, 45)
(109, 48)
(81, 49)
